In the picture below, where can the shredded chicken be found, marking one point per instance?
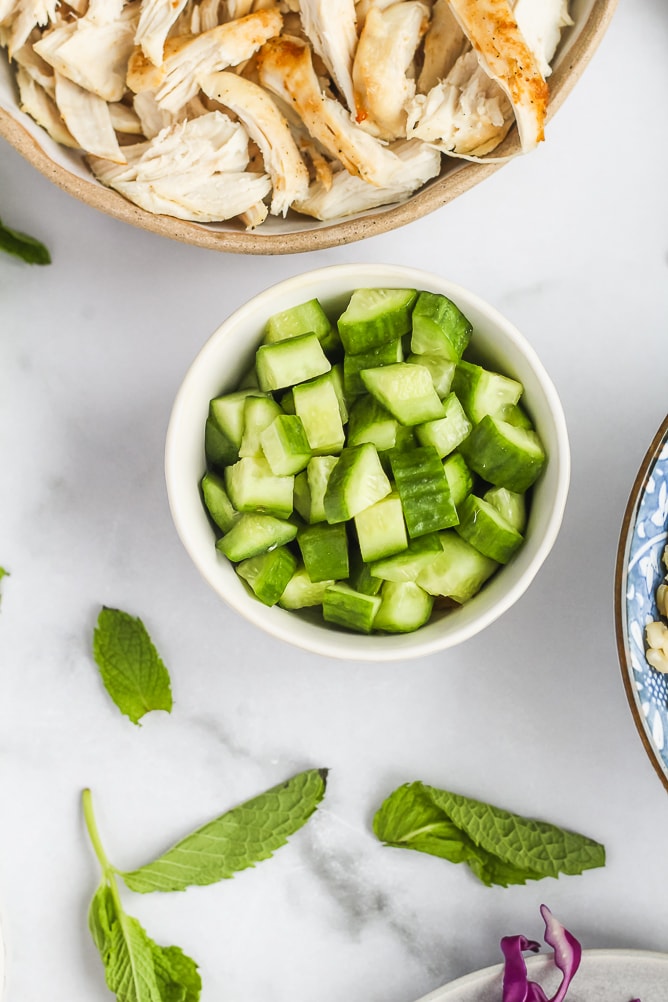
(443, 44)
(330, 25)
(157, 18)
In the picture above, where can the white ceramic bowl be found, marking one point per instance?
(229, 353)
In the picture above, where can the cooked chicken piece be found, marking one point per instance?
(254, 216)
(208, 16)
(37, 103)
(194, 170)
(93, 53)
(542, 22)
(268, 128)
(362, 8)
(237, 8)
(105, 11)
(36, 67)
(504, 54)
(156, 20)
(7, 8)
(286, 69)
(321, 166)
(186, 58)
(466, 115)
(125, 120)
(28, 14)
(348, 195)
(87, 117)
(443, 43)
(383, 61)
(330, 27)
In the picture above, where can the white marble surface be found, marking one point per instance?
(571, 243)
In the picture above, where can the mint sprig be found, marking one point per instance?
(131, 668)
(21, 245)
(499, 847)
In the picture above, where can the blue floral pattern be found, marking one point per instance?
(644, 572)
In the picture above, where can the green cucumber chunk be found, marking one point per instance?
(305, 318)
(458, 572)
(318, 473)
(442, 371)
(217, 501)
(425, 496)
(459, 477)
(335, 376)
(356, 482)
(381, 530)
(317, 404)
(285, 445)
(504, 455)
(483, 392)
(448, 432)
(301, 497)
(252, 534)
(516, 414)
(407, 565)
(374, 317)
(404, 607)
(406, 391)
(227, 412)
(259, 412)
(484, 527)
(360, 578)
(511, 505)
(252, 486)
(267, 574)
(371, 422)
(218, 448)
(324, 550)
(302, 593)
(439, 327)
(348, 608)
(286, 363)
(384, 354)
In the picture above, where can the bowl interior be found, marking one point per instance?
(296, 234)
(229, 353)
(638, 573)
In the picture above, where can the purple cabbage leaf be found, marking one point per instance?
(567, 955)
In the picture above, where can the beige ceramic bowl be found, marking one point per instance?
(228, 354)
(296, 234)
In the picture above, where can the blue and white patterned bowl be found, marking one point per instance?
(639, 571)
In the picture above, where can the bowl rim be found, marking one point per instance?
(621, 565)
(429, 198)
(355, 646)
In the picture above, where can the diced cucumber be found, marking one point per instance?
(286, 363)
(285, 445)
(371, 422)
(446, 433)
(228, 413)
(268, 574)
(504, 455)
(356, 482)
(511, 505)
(459, 477)
(324, 550)
(404, 607)
(482, 391)
(381, 530)
(252, 534)
(259, 412)
(375, 316)
(406, 390)
(249, 379)
(458, 572)
(425, 496)
(301, 497)
(253, 487)
(407, 565)
(360, 578)
(317, 404)
(305, 318)
(318, 473)
(217, 502)
(302, 593)
(218, 448)
(348, 608)
(439, 327)
(335, 375)
(384, 354)
(516, 414)
(484, 527)
(442, 371)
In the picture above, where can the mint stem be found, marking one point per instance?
(94, 835)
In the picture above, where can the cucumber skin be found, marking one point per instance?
(484, 527)
(255, 533)
(423, 488)
(439, 327)
(351, 609)
(358, 467)
(267, 574)
(491, 452)
(217, 501)
(360, 333)
(324, 550)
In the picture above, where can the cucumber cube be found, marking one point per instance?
(442, 371)
(446, 433)
(404, 607)
(515, 414)
(407, 565)
(286, 363)
(503, 454)
(301, 497)
(459, 477)
(217, 502)
(381, 530)
(318, 473)
(302, 593)
(267, 574)
(406, 390)
(352, 609)
(371, 422)
(218, 448)
(425, 496)
(511, 505)
(227, 412)
(360, 578)
(259, 412)
(384, 354)
(458, 572)
(324, 549)
(317, 404)
(439, 327)
(356, 482)
(285, 445)
(335, 375)
(482, 391)
(252, 534)
(305, 318)
(374, 317)
(252, 487)
(484, 527)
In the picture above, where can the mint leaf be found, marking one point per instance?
(236, 840)
(177, 974)
(499, 847)
(21, 245)
(131, 669)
